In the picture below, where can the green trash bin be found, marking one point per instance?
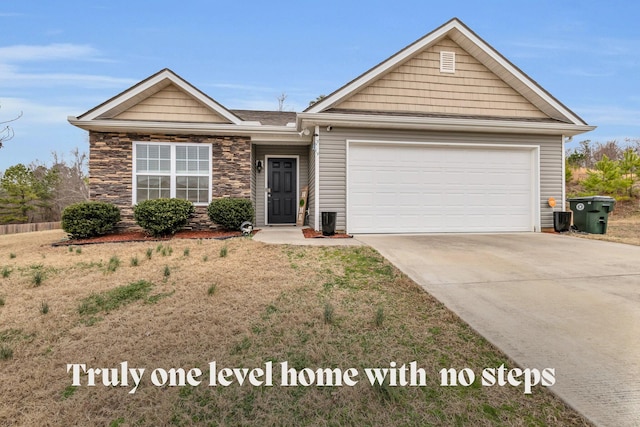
(591, 214)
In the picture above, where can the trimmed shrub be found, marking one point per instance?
(89, 219)
(230, 212)
(160, 217)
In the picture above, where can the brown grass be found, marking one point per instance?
(267, 305)
(619, 230)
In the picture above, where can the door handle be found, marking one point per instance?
(268, 192)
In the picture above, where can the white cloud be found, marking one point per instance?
(543, 45)
(252, 104)
(594, 46)
(584, 72)
(237, 86)
(11, 77)
(43, 128)
(34, 113)
(56, 51)
(610, 115)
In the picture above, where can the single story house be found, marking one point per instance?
(446, 135)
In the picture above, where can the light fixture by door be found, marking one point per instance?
(259, 166)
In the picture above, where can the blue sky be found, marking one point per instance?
(61, 58)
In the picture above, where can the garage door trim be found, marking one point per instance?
(535, 168)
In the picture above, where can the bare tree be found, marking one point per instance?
(634, 144)
(281, 99)
(611, 149)
(587, 153)
(71, 185)
(73, 177)
(6, 133)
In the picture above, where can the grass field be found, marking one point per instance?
(623, 224)
(185, 303)
(620, 230)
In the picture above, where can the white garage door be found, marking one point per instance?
(404, 188)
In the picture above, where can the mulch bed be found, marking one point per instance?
(310, 233)
(141, 236)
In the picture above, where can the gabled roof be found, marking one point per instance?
(135, 110)
(476, 47)
(150, 86)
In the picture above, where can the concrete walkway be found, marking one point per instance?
(547, 301)
(290, 235)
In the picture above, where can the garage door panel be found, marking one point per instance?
(409, 177)
(409, 199)
(439, 189)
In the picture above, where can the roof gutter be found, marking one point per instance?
(255, 131)
(439, 123)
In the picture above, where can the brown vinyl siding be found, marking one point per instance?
(418, 86)
(171, 104)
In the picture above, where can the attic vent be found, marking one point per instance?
(447, 62)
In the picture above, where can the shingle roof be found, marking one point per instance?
(276, 118)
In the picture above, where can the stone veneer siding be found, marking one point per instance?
(111, 173)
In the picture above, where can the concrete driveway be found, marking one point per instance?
(547, 301)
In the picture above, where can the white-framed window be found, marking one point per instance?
(176, 170)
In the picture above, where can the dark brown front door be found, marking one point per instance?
(281, 193)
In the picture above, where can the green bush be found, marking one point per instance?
(230, 213)
(568, 172)
(89, 219)
(160, 217)
(606, 178)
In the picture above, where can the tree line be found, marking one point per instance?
(39, 192)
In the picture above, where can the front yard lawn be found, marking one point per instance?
(243, 304)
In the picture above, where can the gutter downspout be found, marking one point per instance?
(316, 187)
